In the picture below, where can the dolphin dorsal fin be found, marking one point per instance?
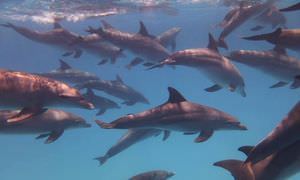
(106, 25)
(56, 25)
(119, 79)
(246, 149)
(280, 50)
(175, 96)
(64, 65)
(143, 30)
(90, 92)
(212, 44)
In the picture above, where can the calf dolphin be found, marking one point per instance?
(153, 175)
(52, 123)
(217, 67)
(240, 16)
(274, 62)
(33, 93)
(280, 165)
(285, 134)
(141, 43)
(67, 74)
(291, 8)
(178, 114)
(131, 137)
(286, 38)
(116, 88)
(101, 103)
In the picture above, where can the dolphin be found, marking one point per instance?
(286, 38)
(116, 88)
(285, 134)
(131, 137)
(52, 123)
(296, 83)
(178, 114)
(153, 175)
(168, 38)
(142, 43)
(217, 67)
(32, 93)
(240, 16)
(67, 74)
(294, 7)
(280, 165)
(274, 62)
(100, 102)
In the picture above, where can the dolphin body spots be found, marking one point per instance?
(153, 175)
(178, 114)
(116, 88)
(280, 165)
(294, 7)
(141, 43)
(285, 38)
(33, 92)
(131, 137)
(208, 60)
(273, 62)
(51, 123)
(67, 74)
(239, 16)
(101, 103)
(285, 134)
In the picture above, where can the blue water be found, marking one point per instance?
(23, 157)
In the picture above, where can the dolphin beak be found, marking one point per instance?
(172, 174)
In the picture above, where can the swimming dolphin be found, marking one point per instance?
(153, 175)
(131, 137)
(52, 123)
(101, 103)
(240, 16)
(285, 134)
(67, 74)
(217, 67)
(168, 38)
(274, 62)
(142, 43)
(286, 38)
(178, 114)
(116, 88)
(280, 165)
(33, 93)
(296, 83)
(273, 17)
(291, 8)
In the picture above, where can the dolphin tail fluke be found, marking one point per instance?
(104, 125)
(237, 169)
(222, 43)
(101, 160)
(267, 37)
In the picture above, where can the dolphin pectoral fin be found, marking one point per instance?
(136, 61)
(103, 61)
(213, 88)
(41, 136)
(246, 149)
(166, 135)
(204, 136)
(101, 111)
(64, 65)
(189, 133)
(69, 53)
(78, 53)
(54, 135)
(279, 84)
(25, 114)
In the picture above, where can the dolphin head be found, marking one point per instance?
(77, 122)
(231, 123)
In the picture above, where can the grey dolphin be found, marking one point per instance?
(286, 38)
(51, 123)
(280, 165)
(285, 134)
(101, 103)
(131, 137)
(178, 114)
(68, 74)
(294, 7)
(208, 60)
(240, 16)
(274, 62)
(142, 43)
(116, 88)
(33, 92)
(153, 175)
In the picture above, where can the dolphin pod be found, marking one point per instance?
(178, 114)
